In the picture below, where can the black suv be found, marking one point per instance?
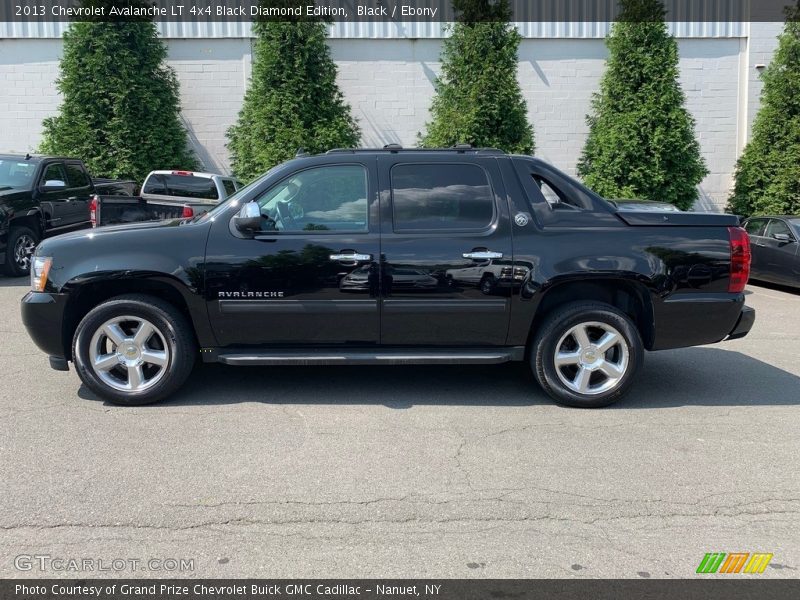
(357, 257)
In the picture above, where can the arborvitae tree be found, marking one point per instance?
(478, 99)
(293, 100)
(641, 140)
(768, 172)
(120, 109)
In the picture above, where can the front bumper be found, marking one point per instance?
(43, 317)
(745, 323)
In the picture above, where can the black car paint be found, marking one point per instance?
(774, 260)
(273, 290)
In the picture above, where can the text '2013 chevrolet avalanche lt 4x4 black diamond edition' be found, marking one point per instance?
(392, 256)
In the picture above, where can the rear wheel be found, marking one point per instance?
(19, 251)
(134, 350)
(587, 354)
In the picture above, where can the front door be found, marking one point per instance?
(779, 256)
(447, 264)
(55, 199)
(310, 276)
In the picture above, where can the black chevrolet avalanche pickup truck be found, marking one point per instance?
(359, 257)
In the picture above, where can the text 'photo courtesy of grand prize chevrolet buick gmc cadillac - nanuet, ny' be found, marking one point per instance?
(392, 256)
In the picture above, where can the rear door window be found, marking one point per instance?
(76, 176)
(185, 186)
(755, 226)
(436, 197)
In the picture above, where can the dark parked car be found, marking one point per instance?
(44, 195)
(268, 278)
(775, 248)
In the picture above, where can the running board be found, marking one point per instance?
(448, 356)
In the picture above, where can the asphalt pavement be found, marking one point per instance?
(437, 472)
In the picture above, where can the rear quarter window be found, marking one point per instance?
(229, 186)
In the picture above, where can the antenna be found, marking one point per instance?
(300, 152)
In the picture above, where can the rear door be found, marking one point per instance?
(445, 233)
(79, 188)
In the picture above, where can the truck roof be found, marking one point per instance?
(397, 148)
(34, 158)
(188, 173)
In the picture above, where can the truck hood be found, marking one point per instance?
(8, 193)
(152, 236)
(125, 227)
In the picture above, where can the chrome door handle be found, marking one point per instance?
(482, 255)
(351, 257)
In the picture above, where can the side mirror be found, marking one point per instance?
(53, 185)
(782, 237)
(249, 218)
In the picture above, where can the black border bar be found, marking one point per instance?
(732, 587)
(205, 11)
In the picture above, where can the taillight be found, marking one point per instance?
(183, 173)
(93, 210)
(188, 212)
(740, 259)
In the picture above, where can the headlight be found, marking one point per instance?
(40, 267)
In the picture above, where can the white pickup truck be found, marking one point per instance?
(165, 195)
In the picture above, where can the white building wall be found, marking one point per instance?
(28, 69)
(390, 83)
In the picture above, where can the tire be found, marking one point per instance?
(134, 371)
(587, 377)
(487, 284)
(19, 250)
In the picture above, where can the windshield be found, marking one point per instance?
(16, 174)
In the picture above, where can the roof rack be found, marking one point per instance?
(395, 148)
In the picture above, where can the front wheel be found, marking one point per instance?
(134, 350)
(19, 250)
(587, 354)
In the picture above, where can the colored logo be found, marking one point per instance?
(735, 562)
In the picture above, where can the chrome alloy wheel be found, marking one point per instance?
(129, 354)
(23, 250)
(591, 358)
